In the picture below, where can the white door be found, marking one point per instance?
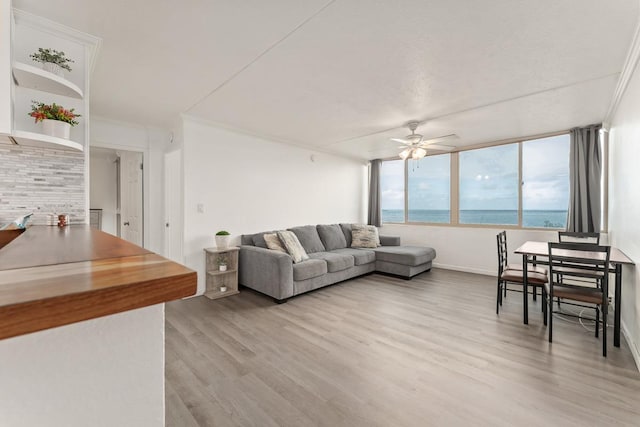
(173, 205)
(131, 197)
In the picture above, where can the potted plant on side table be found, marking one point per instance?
(52, 60)
(222, 262)
(222, 239)
(56, 120)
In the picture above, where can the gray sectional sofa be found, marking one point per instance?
(332, 260)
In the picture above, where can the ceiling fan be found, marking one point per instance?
(415, 146)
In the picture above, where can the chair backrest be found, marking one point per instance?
(502, 251)
(578, 237)
(580, 264)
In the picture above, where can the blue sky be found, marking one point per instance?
(488, 178)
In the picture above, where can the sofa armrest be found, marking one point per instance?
(390, 240)
(266, 271)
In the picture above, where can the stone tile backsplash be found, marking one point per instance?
(42, 181)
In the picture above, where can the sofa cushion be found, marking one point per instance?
(258, 238)
(309, 238)
(332, 237)
(346, 230)
(364, 236)
(309, 269)
(293, 246)
(335, 261)
(273, 242)
(360, 256)
(405, 255)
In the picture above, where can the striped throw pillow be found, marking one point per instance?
(273, 242)
(364, 236)
(292, 244)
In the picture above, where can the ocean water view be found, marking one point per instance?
(530, 218)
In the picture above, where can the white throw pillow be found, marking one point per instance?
(273, 242)
(364, 236)
(292, 244)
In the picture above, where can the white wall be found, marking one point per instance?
(624, 204)
(152, 143)
(102, 372)
(467, 249)
(247, 184)
(104, 189)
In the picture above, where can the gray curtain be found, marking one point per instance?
(374, 193)
(585, 170)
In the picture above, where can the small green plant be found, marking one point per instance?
(222, 233)
(41, 111)
(53, 56)
(222, 259)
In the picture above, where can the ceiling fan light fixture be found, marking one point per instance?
(418, 153)
(404, 155)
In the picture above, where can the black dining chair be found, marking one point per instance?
(578, 237)
(508, 273)
(583, 269)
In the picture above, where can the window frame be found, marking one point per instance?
(454, 186)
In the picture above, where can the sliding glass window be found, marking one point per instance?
(392, 191)
(429, 189)
(545, 182)
(489, 185)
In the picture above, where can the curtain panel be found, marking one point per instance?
(585, 172)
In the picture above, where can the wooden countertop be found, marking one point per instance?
(52, 277)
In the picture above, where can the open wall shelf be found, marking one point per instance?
(31, 77)
(32, 139)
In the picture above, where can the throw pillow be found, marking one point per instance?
(309, 239)
(273, 242)
(293, 246)
(364, 236)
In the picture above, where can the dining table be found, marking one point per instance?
(534, 252)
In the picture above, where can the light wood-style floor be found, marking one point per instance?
(381, 351)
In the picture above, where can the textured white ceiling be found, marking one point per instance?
(344, 75)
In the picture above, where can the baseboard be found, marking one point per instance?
(465, 269)
(632, 344)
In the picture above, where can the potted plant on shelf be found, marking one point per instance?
(222, 239)
(222, 262)
(52, 60)
(56, 120)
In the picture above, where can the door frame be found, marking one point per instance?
(146, 208)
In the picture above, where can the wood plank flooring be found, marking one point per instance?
(382, 351)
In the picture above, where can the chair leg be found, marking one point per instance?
(558, 303)
(543, 303)
(597, 320)
(498, 297)
(535, 293)
(605, 310)
(550, 317)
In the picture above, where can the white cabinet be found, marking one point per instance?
(5, 69)
(30, 82)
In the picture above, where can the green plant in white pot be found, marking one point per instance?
(56, 120)
(53, 61)
(222, 239)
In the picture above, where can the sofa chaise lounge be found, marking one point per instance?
(331, 260)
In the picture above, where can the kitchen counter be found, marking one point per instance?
(52, 276)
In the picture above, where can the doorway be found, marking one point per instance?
(116, 193)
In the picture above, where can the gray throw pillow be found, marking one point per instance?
(346, 230)
(309, 238)
(332, 237)
(364, 236)
(293, 246)
(273, 242)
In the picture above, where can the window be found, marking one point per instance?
(522, 184)
(488, 191)
(429, 189)
(545, 182)
(392, 191)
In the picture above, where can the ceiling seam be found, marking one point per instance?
(476, 107)
(260, 55)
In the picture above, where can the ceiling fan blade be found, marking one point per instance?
(400, 140)
(440, 139)
(437, 147)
